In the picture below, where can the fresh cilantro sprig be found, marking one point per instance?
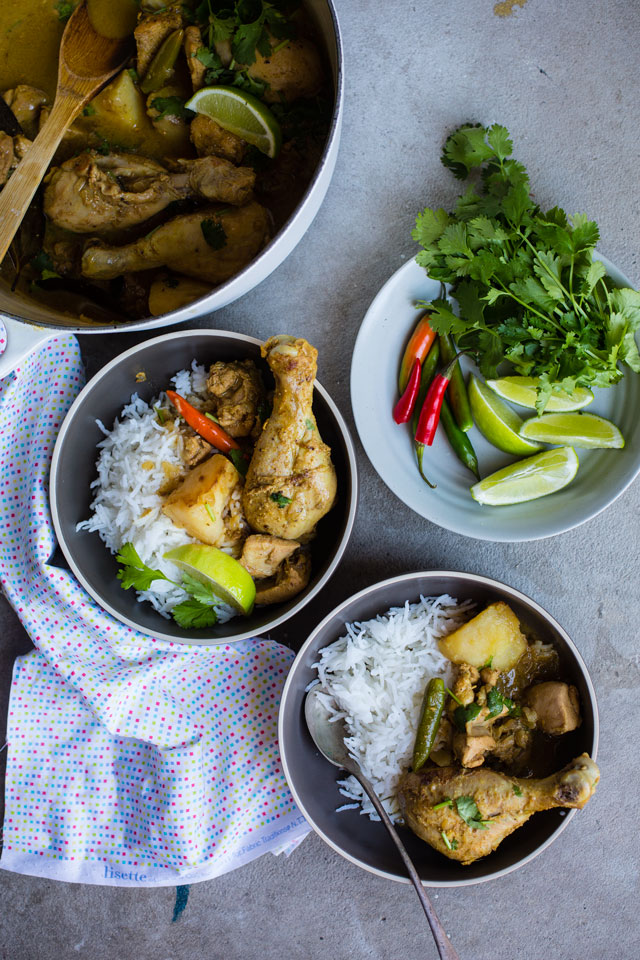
(527, 287)
(197, 612)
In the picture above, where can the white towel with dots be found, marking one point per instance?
(131, 761)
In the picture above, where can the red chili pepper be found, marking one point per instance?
(430, 413)
(417, 349)
(207, 429)
(404, 407)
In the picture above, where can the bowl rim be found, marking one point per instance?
(403, 578)
(232, 289)
(372, 321)
(68, 554)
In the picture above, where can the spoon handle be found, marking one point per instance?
(446, 950)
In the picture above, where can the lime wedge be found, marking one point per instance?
(575, 429)
(528, 479)
(523, 391)
(227, 578)
(240, 113)
(497, 421)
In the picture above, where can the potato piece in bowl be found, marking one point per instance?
(493, 636)
(199, 504)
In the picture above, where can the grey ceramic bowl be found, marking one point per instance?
(73, 469)
(313, 780)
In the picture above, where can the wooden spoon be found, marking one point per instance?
(87, 61)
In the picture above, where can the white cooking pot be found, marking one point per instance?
(25, 323)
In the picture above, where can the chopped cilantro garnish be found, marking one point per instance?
(239, 461)
(280, 499)
(462, 715)
(64, 9)
(449, 844)
(496, 701)
(89, 110)
(172, 107)
(214, 233)
(447, 802)
(516, 790)
(468, 810)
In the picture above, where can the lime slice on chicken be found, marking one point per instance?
(497, 421)
(226, 578)
(240, 113)
(537, 476)
(524, 392)
(575, 429)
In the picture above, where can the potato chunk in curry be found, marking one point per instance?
(492, 637)
(203, 500)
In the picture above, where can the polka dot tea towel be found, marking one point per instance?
(131, 761)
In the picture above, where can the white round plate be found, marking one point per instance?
(602, 476)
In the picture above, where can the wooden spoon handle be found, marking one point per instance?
(446, 950)
(19, 190)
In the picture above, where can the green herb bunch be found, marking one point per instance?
(528, 289)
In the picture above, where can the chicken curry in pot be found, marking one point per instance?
(181, 169)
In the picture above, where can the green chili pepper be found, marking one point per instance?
(457, 388)
(161, 67)
(432, 705)
(460, 442)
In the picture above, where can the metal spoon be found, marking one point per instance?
(87, 61)
(329, 739)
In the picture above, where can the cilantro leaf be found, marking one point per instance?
(468, 810)
(280, 499)
(43, 264)
(192, 614)
(214, 233)
(516, 789)
(172, 107)
(199, 591)
(134, 572)
(463, 715)
(496, 702)
(64, 9)
(239, 461)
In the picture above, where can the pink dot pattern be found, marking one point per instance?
(122, 748)
(3, 337)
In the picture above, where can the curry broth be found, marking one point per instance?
(30, 33)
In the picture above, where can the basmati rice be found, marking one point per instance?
(135, 458)
(374, 678)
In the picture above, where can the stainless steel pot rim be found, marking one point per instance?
(229, 288)
(55, 468)
(403, 578)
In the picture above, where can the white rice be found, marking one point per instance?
(374, 678)
(127, 507)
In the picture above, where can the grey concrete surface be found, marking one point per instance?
(563, 77)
